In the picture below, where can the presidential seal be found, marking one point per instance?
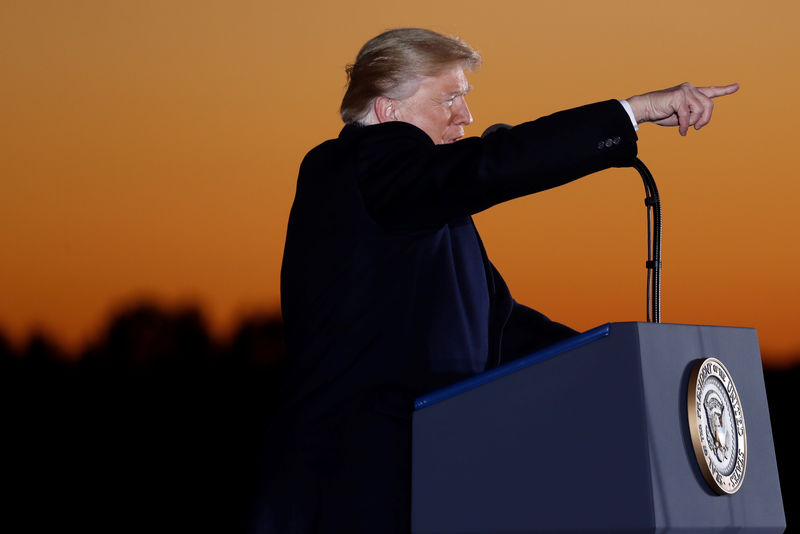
(716, 423)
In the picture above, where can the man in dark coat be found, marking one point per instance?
(387, 292)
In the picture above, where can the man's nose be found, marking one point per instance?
(462, 116)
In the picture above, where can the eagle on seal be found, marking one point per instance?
(718, 437)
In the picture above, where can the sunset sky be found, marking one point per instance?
(149, 149)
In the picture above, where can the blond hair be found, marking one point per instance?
(393, 63)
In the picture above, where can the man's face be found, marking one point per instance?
(438, 107)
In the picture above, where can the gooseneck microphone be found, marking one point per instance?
(652, 202)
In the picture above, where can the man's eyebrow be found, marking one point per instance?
(460, 91)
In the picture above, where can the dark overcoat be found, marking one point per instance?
(387, 293)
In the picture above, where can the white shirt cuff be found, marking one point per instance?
(630, 114)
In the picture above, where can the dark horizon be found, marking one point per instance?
(38, 338)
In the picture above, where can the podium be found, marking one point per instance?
(592, 435)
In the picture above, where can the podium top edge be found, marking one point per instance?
(511, 367)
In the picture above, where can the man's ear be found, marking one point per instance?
(385, 109)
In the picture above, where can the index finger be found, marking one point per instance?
(714, 91)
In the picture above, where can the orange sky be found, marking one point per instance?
(151, 149)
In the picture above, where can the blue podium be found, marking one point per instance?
(593, 435)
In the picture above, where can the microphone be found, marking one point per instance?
(653, 264)
(494, 127)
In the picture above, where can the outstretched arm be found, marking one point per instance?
(683, 105)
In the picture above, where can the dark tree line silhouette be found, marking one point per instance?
(158, 427)
(155, 427)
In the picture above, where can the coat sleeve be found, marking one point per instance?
(407, 182)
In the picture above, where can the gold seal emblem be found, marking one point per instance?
(716, 423)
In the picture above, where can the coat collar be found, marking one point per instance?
(396, 127)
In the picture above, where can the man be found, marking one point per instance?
(387, 292)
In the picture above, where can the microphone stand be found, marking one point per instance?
(653, 264)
